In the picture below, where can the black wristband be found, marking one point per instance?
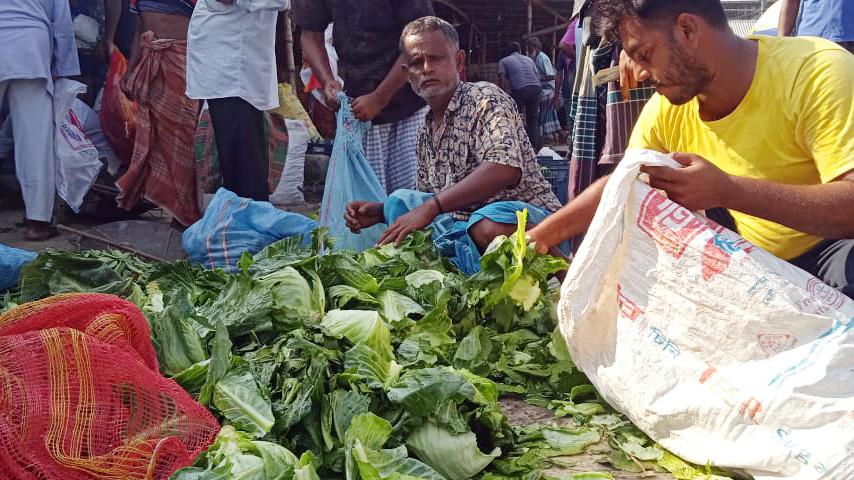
(438, 203)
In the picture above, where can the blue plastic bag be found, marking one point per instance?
(349, 178)
(12, 260)
(232, 225)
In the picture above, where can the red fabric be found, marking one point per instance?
(162, 169)
(117, 112)
(313, 83)
(79, 398)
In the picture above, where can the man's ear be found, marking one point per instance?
(461, 60)
(687, 29)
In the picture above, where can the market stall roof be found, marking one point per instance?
(486, 26)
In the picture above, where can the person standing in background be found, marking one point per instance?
(548, 121)
(366, 39)
(565, 80)
(162, 169)
(829, 19)
(38, 46)
(518, 76)
(565, 77)
(231, 63)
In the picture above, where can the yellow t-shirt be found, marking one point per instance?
(795, 126)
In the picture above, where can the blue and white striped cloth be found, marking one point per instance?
(390, 149)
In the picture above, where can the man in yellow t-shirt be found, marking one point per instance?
(763, 127)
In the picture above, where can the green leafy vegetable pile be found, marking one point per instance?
(387, 364)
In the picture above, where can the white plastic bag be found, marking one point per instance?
(85, 31)
(77, 163)
(293, 176)
(715, 348)
(91, 122)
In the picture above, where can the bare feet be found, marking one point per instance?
(38, 231)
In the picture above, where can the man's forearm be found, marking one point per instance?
(822, 210)
(484, 182)
(788, 17)
(314, 50)
(112, 14)
(573, 219)
(394, 80)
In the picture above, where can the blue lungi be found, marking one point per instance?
(451, 236)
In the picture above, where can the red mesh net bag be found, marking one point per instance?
(81, 396)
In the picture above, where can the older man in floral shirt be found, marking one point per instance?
(476, 166)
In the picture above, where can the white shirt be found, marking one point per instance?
(36, 40)
(231, 51)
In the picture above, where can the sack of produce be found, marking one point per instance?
(349, 178)
(718, 350)
(232, 225)
(81, 396)
(290, 108)
(289, 189)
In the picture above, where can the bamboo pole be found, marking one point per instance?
(290, 64)
(109, 243)
(471, 44)
(530, 16)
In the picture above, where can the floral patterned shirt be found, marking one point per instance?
(482, 124)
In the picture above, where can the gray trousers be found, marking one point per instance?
(31, 110)
(832, 261)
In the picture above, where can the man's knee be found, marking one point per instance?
(485, 231)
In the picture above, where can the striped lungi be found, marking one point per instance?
(390, 149)
(549, 121)
(162, 169)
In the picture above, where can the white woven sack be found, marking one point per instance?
(718, 350)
